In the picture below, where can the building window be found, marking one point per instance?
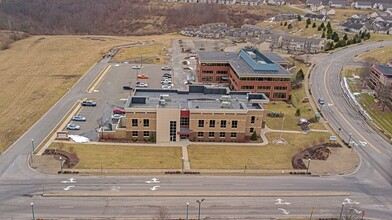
(135, 134)
(212, 123)
(264, 87)
(234, 124)
(279, 95)
(173, 130)
(280, 87)
(146, 122)
(134, 122)
(184, 121)
(221, 72)
(200, 134)
(201, 123)
(146, 134)
(222, 134)
(211, 134)
(247, 87)
(251, 130)
(223, 124)
(207, 72)
(206, 78)
(233, 135)
(252, 119)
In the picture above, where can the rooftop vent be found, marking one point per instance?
(162, 102)
(165, 97)
(225, 104)
(225, 98)
(251, 54)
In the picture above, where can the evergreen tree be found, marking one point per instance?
(345, 37)
(281, 23)
(254, 136)
(308, 21)
(299, 18)
(314, 25)
(319, 28)
(300, 75)
(306, 26)
(329, 25)
(289, 26)
(322, 25)
(368, 35)
(285, 23)
(324, 29)
(323, 35)
(329, 31)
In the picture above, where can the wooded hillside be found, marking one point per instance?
(118, 17)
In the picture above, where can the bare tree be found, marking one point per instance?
(367, 69)
(163, 213)
(350, 212)
(383, 94)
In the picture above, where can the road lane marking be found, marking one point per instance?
(284, 211)
(281, 202)
(154, 188)
(348, 123)
(68, 188)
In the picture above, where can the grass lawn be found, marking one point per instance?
(381, 118)
(155, 53)
(377, 37)
(38, 70)
(383, 54)
(343, 13)
(123, 157)
(267, 157)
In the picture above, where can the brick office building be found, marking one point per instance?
(200, 114)
(248, 70)
(381, 81)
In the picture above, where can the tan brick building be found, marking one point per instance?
(248, 70)
(200, 114)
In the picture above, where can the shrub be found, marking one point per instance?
(254, 136)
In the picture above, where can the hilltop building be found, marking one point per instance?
(200, 114)
(381, 82)
(249, 70)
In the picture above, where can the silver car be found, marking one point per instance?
(73, 127)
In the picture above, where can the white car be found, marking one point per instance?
(166, 81)
(166, 68)
(73, 127)
(142, 84)
(116, 116)
(136, 67)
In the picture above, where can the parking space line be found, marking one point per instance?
(99, 79)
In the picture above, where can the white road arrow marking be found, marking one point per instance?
(349, 201)
(154, 188)
(363, 143)
(114, 188)
(281, 202)
(70, 180)
(153, 180)
(283, 211)
(68, 188)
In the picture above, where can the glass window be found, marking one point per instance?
(251, 130)
(201, 123)
(233, 135)
(146, 122)
(222, 134)
(252, 119)
(234, 124)
(200, 134)
(146, 133)
(211, 134)
(184, 121)
(223, 123)
(135, 134)
(212, 123)
(134, 122)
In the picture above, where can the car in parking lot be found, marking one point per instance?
(166, 81)
(136, 67)
(116, 116)
(73, 127)
(166, 87)
(168, 75)
(321, 101)
(88, 103)
(118, 111)
(166, 68)
(142, 76)
(141, 84)
(127, 87)
(78, 118)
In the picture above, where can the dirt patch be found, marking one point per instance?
(318, 152)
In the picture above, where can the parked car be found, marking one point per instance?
(88, 103)
(166, 68)
(127, 87)
(166, 87)
(136, 67)
(73, 127)
(118, 111)
(142, 76)
(321, 101)
(166, 81)
(78, 118)
(168, 75)
(141, 84)
(116, 116)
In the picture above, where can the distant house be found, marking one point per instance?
(389, 11)
(354, 27)
(308, 45)
(384, 6)
(338, 3)
(286, 16)
(313, 3)
(362, 5)
(250, 2)
(274, 2)
(316, 17)
(331, 12)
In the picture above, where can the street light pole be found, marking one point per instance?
(199, 201)
(307, 170)
(32, 210)
(341, 212)
(61, 165)
(32, 144)
(349, 138)
(187, 213)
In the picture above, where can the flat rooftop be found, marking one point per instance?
(226, 56)
(198, 97)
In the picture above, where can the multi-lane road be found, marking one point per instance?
(253, 197)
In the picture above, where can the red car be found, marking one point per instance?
(118, 111)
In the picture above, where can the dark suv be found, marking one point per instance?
(88, 103)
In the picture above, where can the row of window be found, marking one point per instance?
(211, 72)
(270, 79)
(215, 64)
(212, 134)
(234, 124)
(136, 134)
(264, 87)
(146, 122)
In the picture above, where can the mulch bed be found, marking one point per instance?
(318, 152)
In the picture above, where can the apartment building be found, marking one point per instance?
(213, 114)
(381, 81)
(249, 70)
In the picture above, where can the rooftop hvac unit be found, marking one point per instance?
(165, 97)
(225, 105)
(162, 102)
(225, 98)
(252, 55)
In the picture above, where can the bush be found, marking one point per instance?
(290, 26)
(298, 112)
(254, 136)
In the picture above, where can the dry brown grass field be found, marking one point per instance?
(36, 72)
